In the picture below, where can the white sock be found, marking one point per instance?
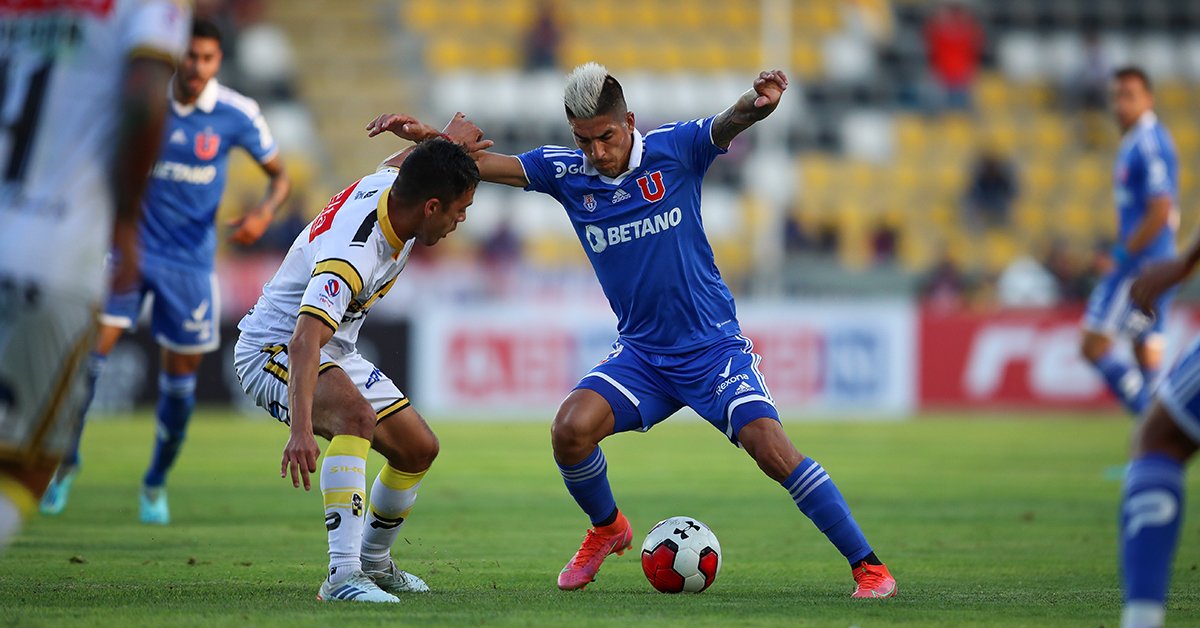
(1143, 614)
(16, 502)
(343, 487)
(392, 498)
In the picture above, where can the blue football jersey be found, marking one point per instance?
(186, 183)
(1146, 168)
(643, 234)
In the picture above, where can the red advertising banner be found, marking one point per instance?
(1019, 358)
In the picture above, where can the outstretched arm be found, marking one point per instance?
(493, 167)
(756, 104)
(459, 130)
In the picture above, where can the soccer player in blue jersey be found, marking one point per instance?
(634, 201)
(1146, 189)
(1152, 499)
(179, 239)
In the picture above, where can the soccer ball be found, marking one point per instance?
(681, 554)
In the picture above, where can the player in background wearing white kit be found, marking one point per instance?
(80, 126)
(296, 354)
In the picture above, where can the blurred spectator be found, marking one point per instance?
(503, 246)
(1074, 283)
(1087, 92)
(991, 192)
(541, 42)
(953, 41)
(945, 287)
(1026, 283)
(1088, 88)
(799, 239)
(883, 243)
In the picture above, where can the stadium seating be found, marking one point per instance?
(866, 152)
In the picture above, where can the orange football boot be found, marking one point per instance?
(873, 581)
(614, 538)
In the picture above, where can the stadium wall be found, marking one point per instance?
(880, 359)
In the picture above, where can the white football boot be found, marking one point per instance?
(356, 588)
(393, 580)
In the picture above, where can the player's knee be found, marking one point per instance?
(570, 432)
(424, 452)
(1159, 434)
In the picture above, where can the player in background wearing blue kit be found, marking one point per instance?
(179, 241)
(1146, 189)
(634, 201)
(1152, 500)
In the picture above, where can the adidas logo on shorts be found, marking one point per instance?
(743, 388)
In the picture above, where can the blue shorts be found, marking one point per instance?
(1179, 392)
(184, 310)
(721, 382)
(1110, 312)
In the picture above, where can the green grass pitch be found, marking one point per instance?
(985, 521)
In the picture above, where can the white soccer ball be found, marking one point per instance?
(681, 554)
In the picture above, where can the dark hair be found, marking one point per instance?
(611, 99)
(435, 169)
(1133, 71)
(204, 29)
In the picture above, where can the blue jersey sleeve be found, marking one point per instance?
(255, 136)
(1153, 170)
(694, 143)
(542, 170)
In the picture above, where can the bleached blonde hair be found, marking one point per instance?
(585, 95)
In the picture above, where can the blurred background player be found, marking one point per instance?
(179, 241)
(1146, 189)
(306, 324)
(1152, 504)
(87, 80)
(634, 201)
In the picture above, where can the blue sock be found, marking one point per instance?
(1124, 381)
(820, 500)
(95, 363)
(1151, 510)
(176, 398)
(588, 484)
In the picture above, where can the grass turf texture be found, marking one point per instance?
(983, 521)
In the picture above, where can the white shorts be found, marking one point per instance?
(45, 337)
(262, 370)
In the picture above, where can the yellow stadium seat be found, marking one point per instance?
(912, 136)
(421, 15)
(806, 58)
(1000, 248)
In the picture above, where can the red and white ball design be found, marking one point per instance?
(681, 554)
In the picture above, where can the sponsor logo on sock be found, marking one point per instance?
(383, 523)
(1151, 508)
(356, 505)
(332, 521)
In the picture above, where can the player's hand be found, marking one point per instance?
(465, 133)
(403, 126)
(300, 459)
(1153, 281)
(126, 254)
(769, 86)
(249, 228)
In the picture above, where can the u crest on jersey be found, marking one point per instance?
(207, 144)
(657, 192)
